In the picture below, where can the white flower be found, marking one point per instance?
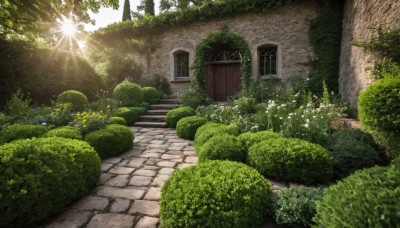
(44, 124)
(307, 121)
(322, 106)
(290, 114)
(280, 118)
(306, 125)
(309, 104)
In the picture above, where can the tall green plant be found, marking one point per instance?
(126, 15)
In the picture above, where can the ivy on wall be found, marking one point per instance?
(208, 47)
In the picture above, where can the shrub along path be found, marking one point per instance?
(128, 192)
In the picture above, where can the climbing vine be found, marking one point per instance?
(208, 47)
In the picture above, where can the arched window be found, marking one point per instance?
(268, 61)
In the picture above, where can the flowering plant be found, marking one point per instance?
(90, 121)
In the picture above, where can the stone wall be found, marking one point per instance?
(286, 26)
(360, 17)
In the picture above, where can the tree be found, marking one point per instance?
(168, 5)
(147, 6)
(127, 11)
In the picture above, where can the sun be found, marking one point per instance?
(68, 27)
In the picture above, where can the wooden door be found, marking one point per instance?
(223, 80)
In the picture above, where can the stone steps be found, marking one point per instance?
(152, 118)
(155, 117)
(150, 124)
(163, 106)
(157, 112)
(169, 101)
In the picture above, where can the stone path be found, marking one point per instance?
(129, 189)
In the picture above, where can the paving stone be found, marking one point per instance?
(90, 203)
(145, 207)
(150, 155)
(112, 160)
(191, 159)
(174, 152)
(177, 160)
(147, 222)
(166, 171)
(118, 181)
(179, 144)
(154, 146)
(167, 164)
(136, 162)
(188, 148)
(153, 194)
(171, 137)
(140, 181)
(177, 140)
(185, 165)
(111, 220)
(138, 147)
(145, 172)
(121, 170)
(119, 192)
(104, 177)
(147, 139)
(159, 180)
(189, 152)
(159, 142)
(120, 205)
(152, 161)
(159, 137)
(154, 151)
(151, 167)
(175, 148)
(70, 219)
(106, 166)
(131, 153)
(123, 162)
(170, 156)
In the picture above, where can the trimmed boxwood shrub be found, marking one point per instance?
(129, 94)
(351, 150)
(209, 130)
(186, 127)
(367, 198)
(248, 139)
(215, 194)
(222, 147)
(379, 105)
(77, 99)
(21, 131)
(40, 177)
(144, 105)
(151, 95)
(65, 132)
(291, 159)
(128, 114)
(111, 141)
(118, 120)
(295, 207)
(139, 110)
(176, 114)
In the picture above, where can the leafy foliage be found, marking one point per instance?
(21, 131)
(194, 99)
(370, 196)
(90, 121)
(176, 114)
(290, 159)
(295, 207)
(186, 127)
(40, 177)
(128, 93)
(65, 132)
(77, 99)
(151, 95)
(222, 147)
(118, 120)
(139, 110)
(160, 83)
(126, 14)
(209, 130)
(215, 194)
(128, 114)
(111, 141)
(249, 139)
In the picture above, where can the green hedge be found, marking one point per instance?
(139, 110)
(222, 147)
(151, 95)
(65, 132)
(368, 198)
(186, 127)
(176, 114)
(295, 207)
(111, 141)
(248, 139)
(118, 120)
(40, 177)
(209, 130)
(379, 105)
(291, 159)
(21, 131)
(77, 99)
(128, 114)
(215, 194)
(129, 94)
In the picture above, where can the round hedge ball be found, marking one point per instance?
(367, 198)
(77, 99)
(215, 194)
(222, 147)
(111, 141)
(176, 114)
(209, 130)
(289, 159)
(128, 114)
(186, 127)
(118, 120)
(129, 94)
(21, 131)
(151, 95)
(65, 132)
(40, 177)
(379, 105)
(248, 139)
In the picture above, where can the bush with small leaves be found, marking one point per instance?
(144, 105)
(65, 132)
(175, 115)
(118, 120)
(77, 99)
(21, 131)
(186, 127)
(128, 114)
(151, 95)
(209, 130)
(222, 147)
(248, 139)
(111, 141)
(129, 94)
(40, 177)
(215, 194)
(290, 159)
(295, 207)
(367, 198)
(139, 110)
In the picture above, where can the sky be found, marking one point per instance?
(107, 16)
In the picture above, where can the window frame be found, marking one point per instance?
(174, 64)
(256, 56)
